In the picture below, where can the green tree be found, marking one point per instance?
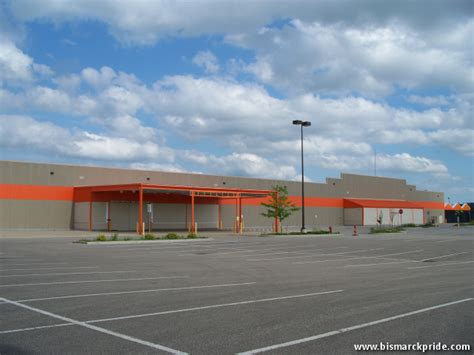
(279, 204)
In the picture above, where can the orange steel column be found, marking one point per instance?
(192, 213)
(276, 214)
(236, 223)
(90, 212)
(240, 215)
(218, 214)
(140, 211)
(109, 222)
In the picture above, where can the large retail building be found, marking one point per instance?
(52, 196)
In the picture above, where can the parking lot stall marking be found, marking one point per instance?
(137, 291)
(31, 264)
(378, 264)
(354, 327)
(9, 331)
(96, 328)
(443, 264)
(191, 309)
(53, 268)
(71, 273)
(314, 255)
(359, 257)
(450, 240)
(165, 312)
(280, 250)
(92, 281)
(444, 256)
(275, 253)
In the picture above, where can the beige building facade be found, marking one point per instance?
(46, 196)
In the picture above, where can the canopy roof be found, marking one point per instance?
(457, 207)
(359, 203)
(198, 191)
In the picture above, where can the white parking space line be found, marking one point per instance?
(314, 255)
(296, 250)
(137, 291)
(383, 256)
(31, 261)
(93, 281)
(377, 264)
(70, 273)
(53, 268)
(34, 328)
(443, 264)
(96, 328)
(215, 306)
(444, 256)
(31, 264)
(260, 252)
(348, 329)
(449, 240)
(275, 253)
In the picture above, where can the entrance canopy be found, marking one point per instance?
(360, 203)
(166, 193)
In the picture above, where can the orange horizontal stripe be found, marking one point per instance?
(36, 192)
(434, 205)
(66, 193)
(308, 201)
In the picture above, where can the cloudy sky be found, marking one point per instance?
(212, 87)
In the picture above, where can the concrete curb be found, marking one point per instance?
(306, 235)
(149, 241)
(375, 234)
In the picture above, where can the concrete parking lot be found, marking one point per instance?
(237, 294)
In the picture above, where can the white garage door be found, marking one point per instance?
(391, 216)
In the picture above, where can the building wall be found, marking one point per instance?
(391, 216)
(353, 216)
(40, 196)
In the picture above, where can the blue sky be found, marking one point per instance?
(212, 87)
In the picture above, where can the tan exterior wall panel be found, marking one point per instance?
(353, 216)
(34, 214)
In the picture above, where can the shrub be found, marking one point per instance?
(409, 225)
(150, 236)
(172, 236)
(192, 235)
(386, 230)
(114, 237)
(101, 238)
(427, 225)
(321, 232)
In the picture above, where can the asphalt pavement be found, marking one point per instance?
(237, 294)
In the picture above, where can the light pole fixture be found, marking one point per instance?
(302, 124)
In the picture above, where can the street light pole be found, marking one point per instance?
(302, 124)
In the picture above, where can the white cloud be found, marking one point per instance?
(207, 60)
(98, 79)
(157, 167)
(409, 163)
(27, 133)
(23, 131)
(341, 58)
(94, 146)
(16, 67)
(244, 164)
(429, 100)
(144, 21)
(68, 83)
